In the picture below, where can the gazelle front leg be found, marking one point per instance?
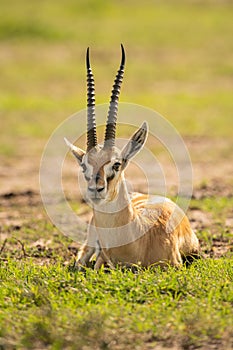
(99, 262)
(88, 249)
(102, 259)
(84, 255)
(86, 252)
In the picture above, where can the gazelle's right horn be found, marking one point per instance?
(91, 123)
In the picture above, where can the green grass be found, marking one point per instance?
(45, 304)
(179, 62)
(48, 306)
(219, 206)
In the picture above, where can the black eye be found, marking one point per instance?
(116, 166)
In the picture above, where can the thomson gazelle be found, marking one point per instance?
(126, 228)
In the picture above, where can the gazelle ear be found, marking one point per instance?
(135, 144)
(77, 152)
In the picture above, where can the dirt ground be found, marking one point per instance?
(20, 199)
(211, 165)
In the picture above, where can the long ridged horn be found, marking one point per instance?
(110, 132)
(91, 123)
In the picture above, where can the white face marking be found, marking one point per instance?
(98, 171)
(87, 168)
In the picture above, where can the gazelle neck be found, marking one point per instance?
(116, 212)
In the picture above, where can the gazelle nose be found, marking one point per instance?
(99, 189)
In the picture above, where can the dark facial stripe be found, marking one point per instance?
(110, 178)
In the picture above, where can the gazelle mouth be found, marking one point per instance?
(96, 200)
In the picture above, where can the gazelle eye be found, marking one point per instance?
(116, 166)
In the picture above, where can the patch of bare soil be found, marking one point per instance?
(21, 211)
(214, 188)
(17, 208)
(20, 201)
(217, 240)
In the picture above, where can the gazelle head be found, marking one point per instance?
(103, 165)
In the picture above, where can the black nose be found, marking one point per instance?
(100, 189)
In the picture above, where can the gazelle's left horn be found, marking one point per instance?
(110, 132)
(91, 123)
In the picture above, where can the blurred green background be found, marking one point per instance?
(179, 62)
